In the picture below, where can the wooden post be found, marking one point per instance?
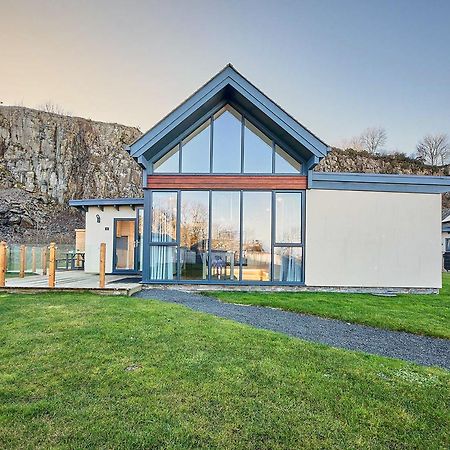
(33, 260)
(44, 261)
(52, 266)
(102, 264)
(3, 264)
(23, 261)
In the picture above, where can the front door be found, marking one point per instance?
(126, 246)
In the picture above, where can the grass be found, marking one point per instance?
(420, 314)
(82, 371)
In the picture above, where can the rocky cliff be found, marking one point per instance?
(47, 159)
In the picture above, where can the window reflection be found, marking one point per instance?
(227, 141)
(288, 264)
(257, 150)
(196, 150)
(194, 234)
(256, 240)
(169, 163)
(225, 235)
(164, 217)
(288, 217)
(285, 163)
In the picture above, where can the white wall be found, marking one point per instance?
(96, 233)
(373, 239)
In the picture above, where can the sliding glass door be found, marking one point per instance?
(226, 236)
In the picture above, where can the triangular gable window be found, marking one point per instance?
(169, 163)
(238, 146)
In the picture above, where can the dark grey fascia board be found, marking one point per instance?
(379, 182)
(101, 202)
(223, 85)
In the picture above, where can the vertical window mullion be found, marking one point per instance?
(209, 234)
(242, 143)
(273, 157)
(178, 219)
(241, 227)
(272, 237)
(180, 159)
(211, 149)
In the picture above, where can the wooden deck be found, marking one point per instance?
(68, 281)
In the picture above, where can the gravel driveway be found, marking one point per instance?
(427, 351)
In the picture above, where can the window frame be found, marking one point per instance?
(209, 117)
(240, 281)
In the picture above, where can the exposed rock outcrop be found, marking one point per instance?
(64, 157)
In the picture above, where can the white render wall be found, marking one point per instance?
(96, 234)
(373, 239)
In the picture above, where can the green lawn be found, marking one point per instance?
(421, 314)
(84, 371)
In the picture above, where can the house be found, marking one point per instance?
(231, 197)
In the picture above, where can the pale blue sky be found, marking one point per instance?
(337, 66)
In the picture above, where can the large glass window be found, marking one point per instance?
(194, 223)
(288, 217)
(227, 141)
(257, 150)
(237, 146)
(225, 235)
(256, 240)
(196, 150)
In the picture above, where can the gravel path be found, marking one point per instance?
(422, 350)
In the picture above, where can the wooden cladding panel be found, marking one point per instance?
(255, 182)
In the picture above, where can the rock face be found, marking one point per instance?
(64, 157)
(349, 160)
(47, 159)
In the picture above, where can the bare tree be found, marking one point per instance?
(373, 139)
(434, 149)
(51, 107)
(353, 143)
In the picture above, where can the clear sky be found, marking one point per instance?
(337, 66)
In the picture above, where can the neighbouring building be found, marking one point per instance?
(231, 197)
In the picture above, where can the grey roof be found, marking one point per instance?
(83, 203)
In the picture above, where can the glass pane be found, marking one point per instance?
(285, 163)
(124, 244)
(195, 150)
(163, 262)
(256, 240)
(288, 217)
(287, 264)
(225, 236)
(227, 141)
(139, 238)
(194, 235)
(257, 150)
(169, 163)
(164, 217)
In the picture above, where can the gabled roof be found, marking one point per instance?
(229, 86)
